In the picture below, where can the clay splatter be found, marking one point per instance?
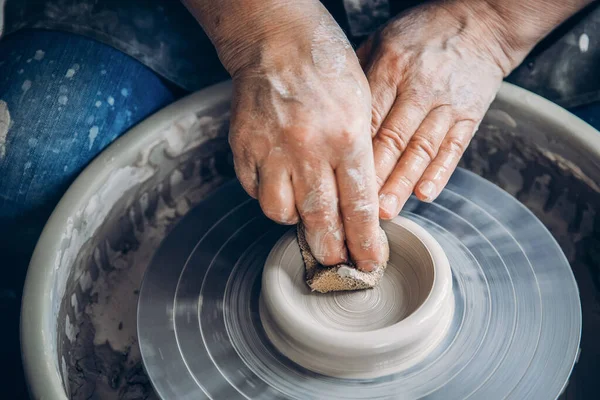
(4, 126)
(72, 71)
(39, 55)
(124, 92)
(93, 135)
(584, 43)
(98, 104)
(110, 100)
(26, 86)
(62, 99)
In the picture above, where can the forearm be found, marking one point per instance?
(519, 25)
(241, 29)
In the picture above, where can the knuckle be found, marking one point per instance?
(455, 146)
(304, 138)
(346, 137)
(318, 218)
(424, 147)
(362, 212)
(393, 59)
(440, 169)
(393, 138)
(437, 127)
(405, 182)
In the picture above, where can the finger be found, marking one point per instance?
(383, 84)
(360, 211)
(317, 202)
(244, 162)
(438, 173)
(420, 151)
(245, 170)
(395, 133)
(276, 194)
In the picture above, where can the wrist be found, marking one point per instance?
(245, 33)
(509, 29)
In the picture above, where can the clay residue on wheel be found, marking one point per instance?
(5, 123)
(110, 243)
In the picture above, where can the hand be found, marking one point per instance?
(301, 140)
(433, 73)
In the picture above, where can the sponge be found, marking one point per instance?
(338, 277)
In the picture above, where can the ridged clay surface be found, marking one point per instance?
(366, 333)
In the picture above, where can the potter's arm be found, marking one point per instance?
(300, 118)
(238, 29)
(522, 24)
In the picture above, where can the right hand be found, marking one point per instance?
(300, 135)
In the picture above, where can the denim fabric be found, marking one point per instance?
(68, 98)
(589, 113)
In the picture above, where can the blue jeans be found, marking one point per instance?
(63, 99)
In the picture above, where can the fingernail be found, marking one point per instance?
(427, 190)
(367, 266)
(389, 203)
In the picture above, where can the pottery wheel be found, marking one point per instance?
(514, 333)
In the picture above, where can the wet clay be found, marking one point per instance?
(367, 333)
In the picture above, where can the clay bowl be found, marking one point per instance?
(367, 333)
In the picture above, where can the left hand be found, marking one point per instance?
(433, 73)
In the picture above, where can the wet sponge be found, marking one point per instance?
(338, 277)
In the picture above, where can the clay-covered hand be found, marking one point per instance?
(301, 140)
(433, 74)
